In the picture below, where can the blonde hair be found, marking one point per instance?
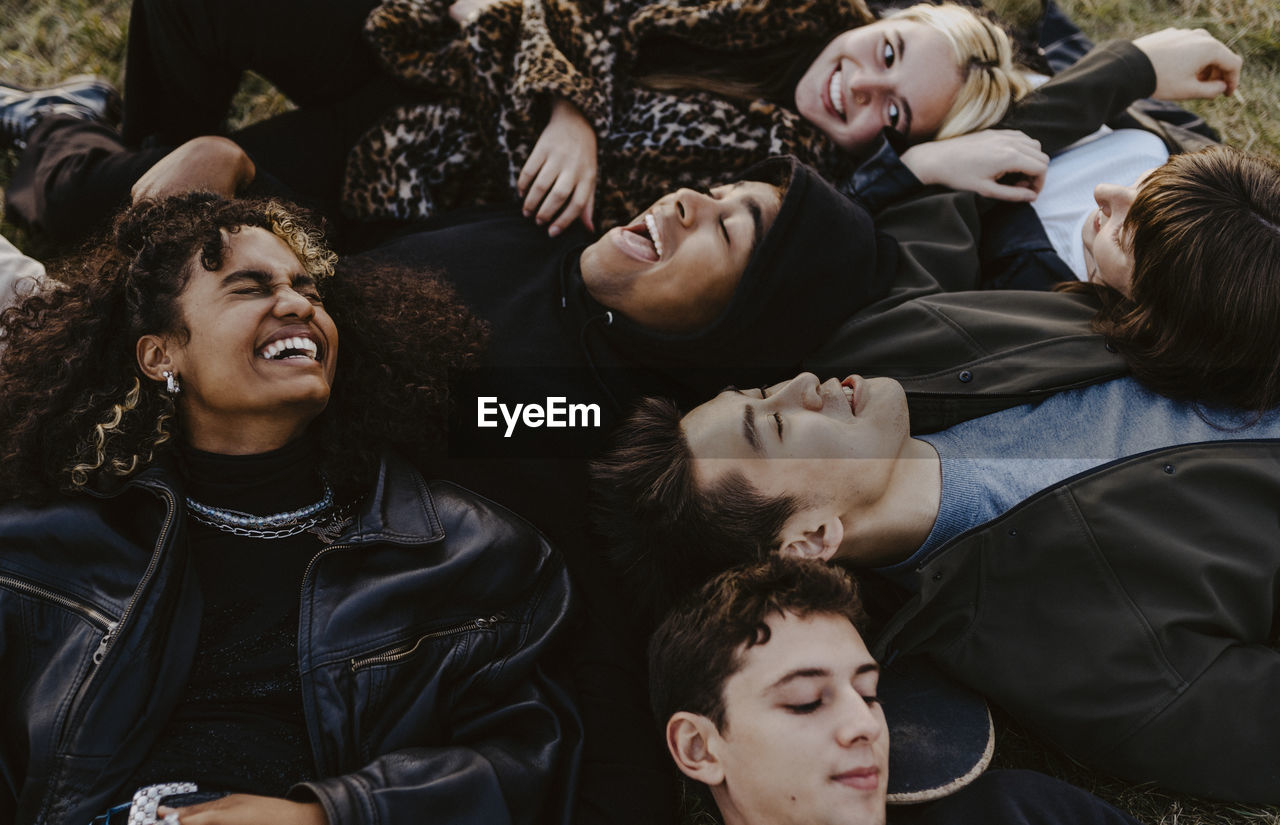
(306, 242)
(97, 444)
(990, 79)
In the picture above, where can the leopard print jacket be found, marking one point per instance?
(491, 82)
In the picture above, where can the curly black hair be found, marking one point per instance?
(78, 413)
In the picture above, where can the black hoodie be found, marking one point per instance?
(820, 262)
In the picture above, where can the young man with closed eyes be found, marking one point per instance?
(1098, 559)
(768, 697)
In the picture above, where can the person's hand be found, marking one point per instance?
(1190, 63)
(208, 164)
(246, 809)
(998, 163)
(560, 175)
(464, 11)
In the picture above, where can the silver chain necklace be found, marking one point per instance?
(275, 526)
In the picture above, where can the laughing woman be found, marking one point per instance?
(216, 572)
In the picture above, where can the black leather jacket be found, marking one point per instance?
(419, 641)
(1128, 614)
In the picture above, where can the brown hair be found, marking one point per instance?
(1200, 320)
(701, 642)
(77, 412)
(666, 534)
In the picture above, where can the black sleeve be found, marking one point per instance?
(1083, 97)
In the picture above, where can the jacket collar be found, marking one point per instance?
(398, 509)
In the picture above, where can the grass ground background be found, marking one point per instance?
(42, 41)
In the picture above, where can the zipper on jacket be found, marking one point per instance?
(171, 507)
(113, 633)
(403, 651)
(92, 614)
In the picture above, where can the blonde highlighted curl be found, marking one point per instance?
(306, 242)
(121, 467)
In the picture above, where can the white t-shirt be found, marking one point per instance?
(1066, 201)
(14, 269)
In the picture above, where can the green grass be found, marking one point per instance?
(43, 41)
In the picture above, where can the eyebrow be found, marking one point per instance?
(757, 219)
(906, 105)
(257, 276)
(820, 672)
(749, 430)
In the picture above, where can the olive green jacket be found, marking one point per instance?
(1129, 613)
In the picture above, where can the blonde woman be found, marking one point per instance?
(591, 110)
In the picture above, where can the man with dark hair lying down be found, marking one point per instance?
(1042, 503)
(769, 697)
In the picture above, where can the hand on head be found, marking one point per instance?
(560, 175)
(997, 163)
(204, 164)
(1190, 63)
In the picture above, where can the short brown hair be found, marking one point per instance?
(666, 534)
(700, 644)
(1200, 321)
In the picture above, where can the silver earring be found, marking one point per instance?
(171, 383)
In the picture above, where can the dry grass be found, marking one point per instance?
(42, 41)
(1249, 120)
(1016, 748)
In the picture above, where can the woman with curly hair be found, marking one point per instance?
(224, 586)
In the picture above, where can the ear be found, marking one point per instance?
(691, 738)
(812, 535)
(153, 357)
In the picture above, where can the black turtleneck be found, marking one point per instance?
(239, 726)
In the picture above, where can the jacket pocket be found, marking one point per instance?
(404, 650)
(85, 611)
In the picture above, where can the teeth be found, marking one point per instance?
(848, 395)
(653, 233)
(304, 347)
(837, 100)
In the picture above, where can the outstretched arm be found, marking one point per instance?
(1173, 64)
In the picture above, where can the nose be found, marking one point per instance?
(864, 87)
(859, 723)
(803, 391)
(688, 203)
(290, 302)
(1112, 197)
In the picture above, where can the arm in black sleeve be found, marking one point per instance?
(1080, 99)
(509, 737)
